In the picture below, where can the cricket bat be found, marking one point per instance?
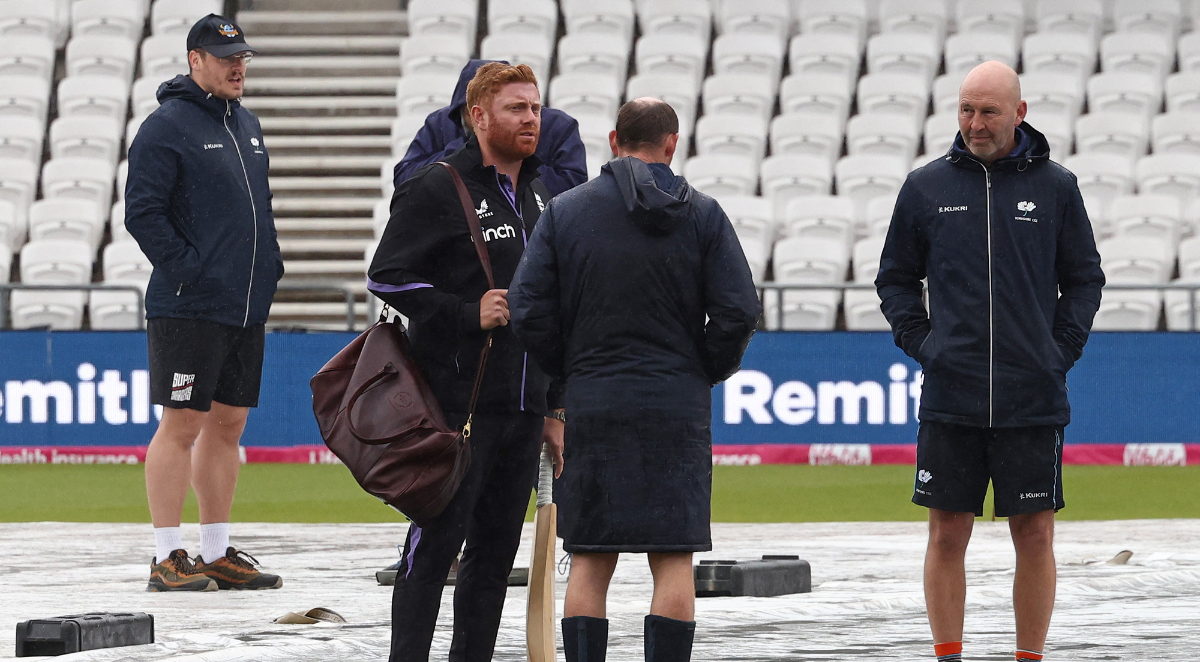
(539, 613)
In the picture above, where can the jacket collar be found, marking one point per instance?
(183, 87)
(468, 160)
(1031, 146)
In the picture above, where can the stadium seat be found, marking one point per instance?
(27, 96)
(122, 178)
(813, 94)
(1144, 53)
(739, 94)
(12, 234)
(945, 92)
(898, 94)
(784, 178)
(865, 258)
(1191, 216)
(1057, 129)
(101, 56)
(1189, 51)
(18, 184)
(965, 50)
(145, 96)
(523, 17)
(586, 94)
(614, 17)
(123, 264)
(940, 131)
(834, 17)
(1170, 174)
(5, 261)
(89, 179)
(866, 176)
(56, 262)
(90, 96)
(883, 134)
(901, 53)
(753, 221)
(21, 138)
(1155, 216)
(748, 55)
(57, 310)
(164, 56)
(803, 310)
(178, 16)
(1159, 17)
(1136, 259)
(692, 18)
(665, 53)
(387, 177)
(799, 134)
(765, 20)
(1125, 134)
(107, 18)
(590, 53)
(1182, 307)
(27, 55)
(862, 311)
(421, 94)
(1059, 53)
(1085, 17)
(87, 137)
(810, 259)
(431, 54)
(1101, 178)
(820, 216)
(743, 135)
(116, 223)
(1053, 93)
(594, 131)
(676, 90)
(444, 18)
(919, 16)
(131, 131)
(878, 216)
(381, 213)
(826, 55)
(404, 129)
(1125, 93)
(1004, 17)
(64, 218)
(520, 48)
(1183, 92)
(1189, 259)
(1128, 310)
(1176, 132)
(722, 174)
(23, 18)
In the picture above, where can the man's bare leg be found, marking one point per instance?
(674, 586)
(945, 573)
(1036, 578)
(587, 587)
(215, 461)
(168, 464)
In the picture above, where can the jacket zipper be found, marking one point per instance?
(253, 209)
(991, 304)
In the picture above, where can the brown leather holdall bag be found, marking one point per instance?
(378, 415)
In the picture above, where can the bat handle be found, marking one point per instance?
(545, 486)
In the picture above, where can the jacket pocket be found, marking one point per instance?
(927, 351)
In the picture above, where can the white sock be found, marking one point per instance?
(166, 540)
(214, 540)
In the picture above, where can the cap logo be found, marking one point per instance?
(228, 30)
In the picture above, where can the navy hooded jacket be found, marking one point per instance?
(564, 163)
(613, 291)
(198, 203)
(1014, 282)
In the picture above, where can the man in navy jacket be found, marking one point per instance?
(198, 203)
(446, 130)
(1002, 235)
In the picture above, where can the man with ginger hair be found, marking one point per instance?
(426, 267)
(1002, 235)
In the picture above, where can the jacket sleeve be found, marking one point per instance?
(153, 173)
(730, 301)
(901, 270)
(1080, 279)
(402, 270)
(426, 147)
(567, 164)
(534, 304)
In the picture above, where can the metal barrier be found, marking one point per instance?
(318, 286)
(6, 288)
(763, 288)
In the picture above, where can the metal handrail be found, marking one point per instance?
(6, 288)
(327, 286)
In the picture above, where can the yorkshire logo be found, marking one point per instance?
(924, 476)
(1025, 207)
(541, 205)
(228, 30)
(483, 211)
(254, 141)
(181, 387)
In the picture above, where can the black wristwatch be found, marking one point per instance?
(558, 414)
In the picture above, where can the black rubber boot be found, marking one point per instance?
(585, 639)
(669, 640)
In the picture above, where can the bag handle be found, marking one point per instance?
(388, 371)
(468, 206)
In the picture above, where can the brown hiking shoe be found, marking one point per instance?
(178, 573)
(236, 571)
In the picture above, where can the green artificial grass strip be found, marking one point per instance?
(766, 493)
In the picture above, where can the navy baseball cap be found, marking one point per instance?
(218, 36)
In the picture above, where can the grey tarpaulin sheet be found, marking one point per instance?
(866, 603)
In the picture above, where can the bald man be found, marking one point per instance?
(1001, 233)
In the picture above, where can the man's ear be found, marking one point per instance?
(194, 57)
(672, 142)
(612, 141)
(478, 118)
(1022, 109)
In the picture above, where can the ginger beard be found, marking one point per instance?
(513, 125)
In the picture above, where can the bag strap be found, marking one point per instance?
(464, 198)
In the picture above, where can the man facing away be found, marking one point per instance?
(198, 203)
(1001, 233)
(612, 296)
(427, 268)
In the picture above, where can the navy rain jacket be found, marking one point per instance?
(1014, 282)
(564, 163)
(613, 291)
(198, 203)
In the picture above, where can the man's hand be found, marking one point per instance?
(552, 437)
(493, 309)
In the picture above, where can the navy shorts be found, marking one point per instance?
(955, 463)
(194, 362)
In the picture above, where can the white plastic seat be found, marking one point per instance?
(862, 311)
(21, 138)
(387, 177)
(1059, 53)
(1047, 92)
(1136, 259)
(122, 176)
(27, 55)
(1137, 93)
(1101, 178)
(57, 310)
(940, 131)
(106, 96)
(1004, 17)
(825, 55)
(866, 176)
(1170, 174)
(878, 216)
(144, 98)
(919, 16)
(1057, 129)
(865, 258)
(1189, 51)
(5, 262)
(799, 134)
(1182, 314)
(586, 94)
(10, 232)
(1176, 133)
(900, 53)
(1128, 310)
(63, 218)
(1085, 17)
(672, 54)
(520, 48)
(754, 224)
(1131, 52)
(742, 135)
(27, 96)
(431, 54)
(816, 260)
(451, 19)
(86, 137)
(945, 92)
(523, 17)
(1159, 17)
(898, 94)
(882, 134)
(614, 17)
(89, 179)
(743, 54)
(116, 310)
(381, 213)
(1116, 133)
(1189, 259)
(677, 90)
(24, 18)
(834, 17)
(677, 17)
(116, 222)
(785, 178)
(739, 94)
(803, 310)
(590, 53)
(18, 184)
(820, 216)
(123, 261)
(56, 262)
(1182, 91)
(815, 95)
(765, 20)
(594, 131)
(421, 94)
(107, 18)
(164, 56)
(722, 174)
(965, 50)
(178, 16)
(131, 130)
(101, 56)
(1157, 216)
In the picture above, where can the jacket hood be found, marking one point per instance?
(655, 211)
(459, 100)
(1031, 146)
(183, 87)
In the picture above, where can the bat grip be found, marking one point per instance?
(545, 486)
